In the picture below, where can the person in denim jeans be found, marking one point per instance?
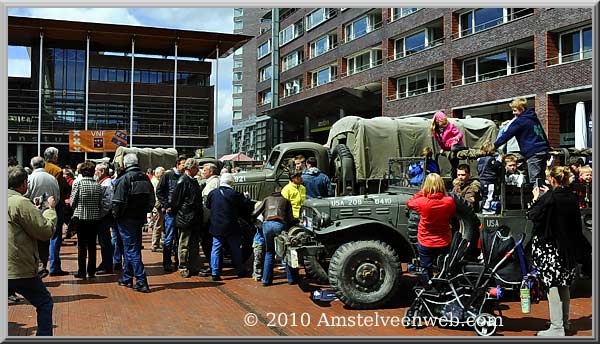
(436, 210)
(164, 194)
(277, 214)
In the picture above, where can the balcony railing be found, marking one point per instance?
(415, 92)
(362, 68)
(370, 28)
(494, 74)
(422, 47)
(499, 21)
(578, 56)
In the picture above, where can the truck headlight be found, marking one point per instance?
(323, 220)
(307, 223)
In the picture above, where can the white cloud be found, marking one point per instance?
(94, 15)
(198, 19)
(19, 67)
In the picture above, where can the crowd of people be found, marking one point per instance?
(192, 204)
(187, 204)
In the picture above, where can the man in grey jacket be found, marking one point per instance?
(26, 225)
(41, 185)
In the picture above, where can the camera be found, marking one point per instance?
(40, 199)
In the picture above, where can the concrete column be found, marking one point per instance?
(175, 99)
(131, 96)
(20, 155)
(216, 130)
(87, 84)
(40, 78)
(307, 128)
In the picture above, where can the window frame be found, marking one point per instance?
(292, 82)
(395, 16)
(326, 16)
(372, 52)
(314, 75)
(285, 60)
(508, 15)
(511, 55)
(430, 86)
(268, 44)
(581, 53)
(262, 73)
(329, 45)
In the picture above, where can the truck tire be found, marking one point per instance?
(413, 227)
(365, 274)
(316, 269)
(342, 169)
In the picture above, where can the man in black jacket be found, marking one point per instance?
(164, 193)
(186, 204)
(132, 200)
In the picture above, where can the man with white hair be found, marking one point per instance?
(51, 159)
(226, 205)
(40, 186)
(132, 200)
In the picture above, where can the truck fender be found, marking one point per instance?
(345, 225)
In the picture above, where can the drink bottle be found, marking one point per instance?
(525, 300)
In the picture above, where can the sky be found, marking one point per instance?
(200, 19)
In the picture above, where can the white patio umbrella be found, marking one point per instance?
(580, 126)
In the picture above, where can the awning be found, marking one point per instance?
(354, 102)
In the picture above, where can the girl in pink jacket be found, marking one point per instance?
(448, 137)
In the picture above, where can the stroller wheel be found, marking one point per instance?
(485, 324)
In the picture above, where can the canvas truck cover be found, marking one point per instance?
(148, 157)
(373, 141)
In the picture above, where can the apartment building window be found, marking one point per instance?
(290, 33)
(238, 12)
(323, 45)
(479, 19)
(428, 38)
(238, 63)
(237, 101)
(500, 63)
(237, 89)
(238, 24)
(237, 76)
(237, 115)
(265, 97)
(264, 73)
(318, 16)
(398, 13)
(575, 45)
(364, 60)
(323, 76)
(239, 51)
(264, 49)
(363, 26)
(292, 60)
(292, 87)
(419, 83)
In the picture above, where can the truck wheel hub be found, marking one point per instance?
(367, 274)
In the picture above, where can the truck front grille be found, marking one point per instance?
(252, 189)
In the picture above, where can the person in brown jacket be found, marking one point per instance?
(466, 187)
(277, 216)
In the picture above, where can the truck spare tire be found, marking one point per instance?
(342, 169)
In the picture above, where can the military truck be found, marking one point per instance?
(358, 240)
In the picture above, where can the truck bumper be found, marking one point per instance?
(292, 254)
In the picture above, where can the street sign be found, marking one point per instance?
(96, 141)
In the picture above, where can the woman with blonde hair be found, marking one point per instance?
(436, 210)
(556, 245)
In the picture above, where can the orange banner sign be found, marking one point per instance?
(97, 141)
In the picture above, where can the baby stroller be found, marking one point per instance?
(466, 293)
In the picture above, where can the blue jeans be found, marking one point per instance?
(270, 230)
(536, 167)
(117, 243)
(105, 240)
(216, 253)
(171, 237)
(56, 241)
(131, 233)
(34, 290)
(427, 256)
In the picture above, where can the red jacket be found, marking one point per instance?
(436, 210)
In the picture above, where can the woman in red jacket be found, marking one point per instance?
(436, 210)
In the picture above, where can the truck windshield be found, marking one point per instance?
(272, 160)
